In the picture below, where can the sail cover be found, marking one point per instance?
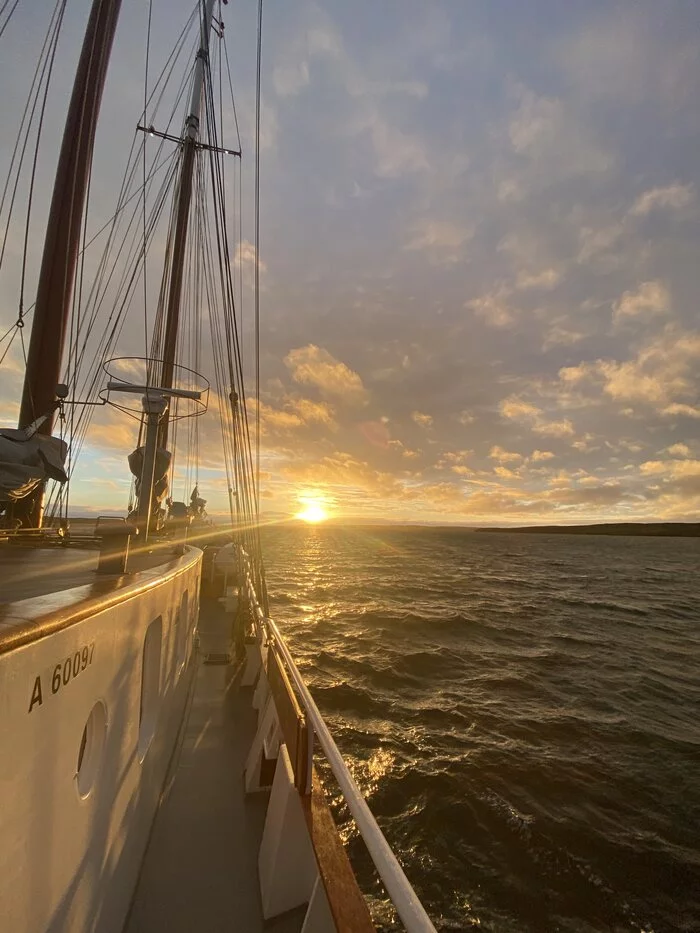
(25, 463)
(160, 473)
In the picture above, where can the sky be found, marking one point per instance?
(480, 231)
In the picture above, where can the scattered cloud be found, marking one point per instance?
(505, 456)
(519, 264)
(672, 197)
(517, 408)
(661, 375)
(650, 298)
(421, 419)
(678, 450)
(314, 366)
(441, 240)
(545, 280)
(563, 428)
(494, 309)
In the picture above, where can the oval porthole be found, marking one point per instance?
(150, 685)
(91, 750)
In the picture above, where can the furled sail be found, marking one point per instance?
(26, 462)
(160, 474)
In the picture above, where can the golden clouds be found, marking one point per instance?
(314, 366)
(421, 419)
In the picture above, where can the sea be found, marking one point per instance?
(521, 711)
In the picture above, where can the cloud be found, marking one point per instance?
(493, 309)
(504, 456)
(314, 412)
(673, 197)
(675, 475)
(558, 144)
(421, 419)
(562, 428)
(677, 408)
(245, 254)
(678, 450)
(545, 280)
(598, 244)
(505, 473)
(662, 375)
(290, 77)
(650, 298)
(314, 366)
(397, 152)
(517, 408)
(539, 455)
(274, 419)
(441, 240)
(561, 336)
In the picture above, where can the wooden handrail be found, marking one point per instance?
(403, 897)
(345, 899)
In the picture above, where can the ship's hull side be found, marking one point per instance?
(90, 715)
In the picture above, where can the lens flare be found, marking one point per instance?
(312, 511)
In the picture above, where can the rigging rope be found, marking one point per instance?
(257, 258)
(3, 27)
(210, 287)
(146, 123)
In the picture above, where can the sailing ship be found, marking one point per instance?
(159, 746)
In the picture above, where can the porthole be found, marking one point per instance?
(91, 749)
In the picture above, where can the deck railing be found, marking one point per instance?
(397, 885)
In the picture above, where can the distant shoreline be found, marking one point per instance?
(636, 529)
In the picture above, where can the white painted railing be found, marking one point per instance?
(404, 898)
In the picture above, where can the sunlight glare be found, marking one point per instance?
(312, 512)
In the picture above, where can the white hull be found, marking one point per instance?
(71, 845)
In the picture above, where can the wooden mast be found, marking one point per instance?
(184, 197)
(60, 256)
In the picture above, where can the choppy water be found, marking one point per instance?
(522, 711)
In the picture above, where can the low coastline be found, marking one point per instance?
(637, 529)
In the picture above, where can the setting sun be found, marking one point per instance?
(312, 511)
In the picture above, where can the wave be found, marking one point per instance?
(522, 712)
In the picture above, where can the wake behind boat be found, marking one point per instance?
(159, 743)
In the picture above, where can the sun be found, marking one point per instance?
(313, 511)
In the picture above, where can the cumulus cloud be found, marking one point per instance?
(462, 250)
(314, 366)
(514, 408)
(504, 456)
(314, 412)
(661, 375)
(678, 450)
(517, 408)
(563, 428)
(650, 298)
(421, 419)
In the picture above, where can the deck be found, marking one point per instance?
(201, 867)
(27, 571)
